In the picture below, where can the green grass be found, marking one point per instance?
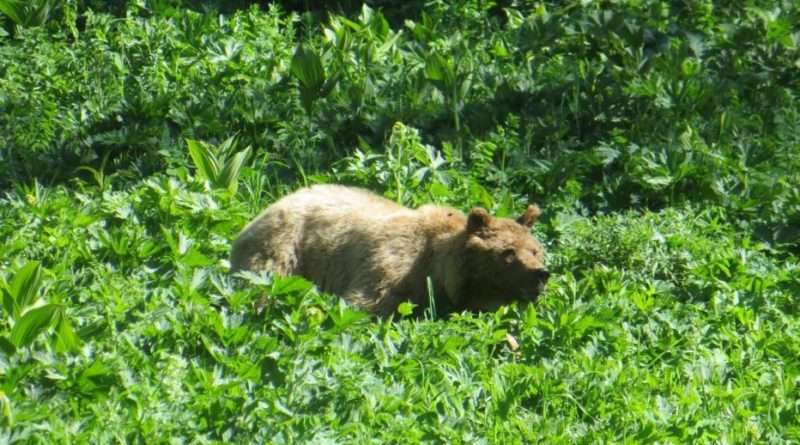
(661, 141)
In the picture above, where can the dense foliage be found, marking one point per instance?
(661, 138)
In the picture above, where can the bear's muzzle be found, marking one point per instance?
(538, 285)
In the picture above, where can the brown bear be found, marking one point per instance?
(376, 253)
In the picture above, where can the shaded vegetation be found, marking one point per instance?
(661, 138)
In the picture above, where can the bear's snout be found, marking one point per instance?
(541, 276)
(538, 282)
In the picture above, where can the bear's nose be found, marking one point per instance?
(542, 275)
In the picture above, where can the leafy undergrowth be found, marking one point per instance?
(661, 139)
(664, 326)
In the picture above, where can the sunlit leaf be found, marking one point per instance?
(66, 340)
(204, 159)
(25, 284)
(13, 9)
(229, 176)
(9, 303)
(287, 285)
(31, 324)
(406, 308)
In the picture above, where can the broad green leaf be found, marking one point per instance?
(93, 331)
(195, 258)
(225, 147)
(229, 176)
(348, 317)
(204, 159)
(584, 324)
(27, 13)
(355, 26)
(256, 279)
(441, 69)
(288, 285)
(307, 67)
(31, 324)
(499, 335)
(25, 284)
(406, 308)
(40, 14)
(66, 340)
(499, 48)
(96, 369)
(13, 9)
(9, 304)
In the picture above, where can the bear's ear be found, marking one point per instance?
(477, 219)
(530, 216)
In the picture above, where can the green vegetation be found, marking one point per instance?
(662, 140)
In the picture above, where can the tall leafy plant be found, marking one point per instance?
(219, 164)
(27, 12)
(307, 67)
(27, 316)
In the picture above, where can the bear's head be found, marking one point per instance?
(502, 261)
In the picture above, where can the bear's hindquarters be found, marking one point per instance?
(268, 243)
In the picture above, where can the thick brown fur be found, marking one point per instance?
(377, 254)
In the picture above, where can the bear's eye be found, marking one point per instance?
(509, 254)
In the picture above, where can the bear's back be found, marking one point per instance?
(313, 223)
(337, 199)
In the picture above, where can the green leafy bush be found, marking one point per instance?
(659, 326)
(219, 165)
(660, 138)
